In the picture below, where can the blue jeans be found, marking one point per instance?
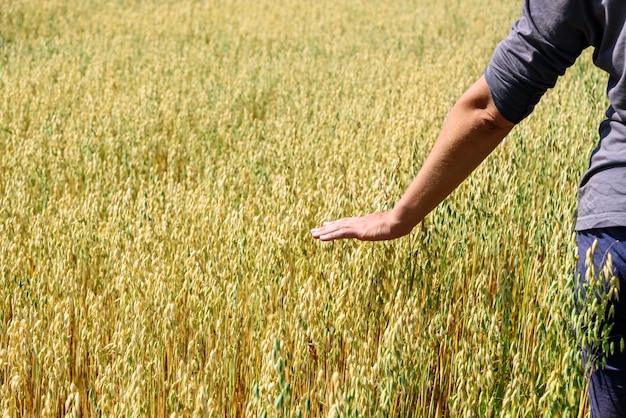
(607, 386)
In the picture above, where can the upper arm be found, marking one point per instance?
(543, 43)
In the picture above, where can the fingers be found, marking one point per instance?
(372, 227)
(334, 230)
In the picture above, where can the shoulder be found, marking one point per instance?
(568, 21)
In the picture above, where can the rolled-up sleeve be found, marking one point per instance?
(543, 43)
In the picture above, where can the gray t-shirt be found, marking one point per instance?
(546, 40)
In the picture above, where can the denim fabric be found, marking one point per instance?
(607, 386)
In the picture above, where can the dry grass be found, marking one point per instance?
(162, 163)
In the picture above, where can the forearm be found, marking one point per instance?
(473, 129)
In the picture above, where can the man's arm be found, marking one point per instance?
(472, 130)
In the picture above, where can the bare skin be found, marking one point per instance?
(473, 129)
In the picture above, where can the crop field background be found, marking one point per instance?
(162, 163)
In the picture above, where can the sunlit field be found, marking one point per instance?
(162, 163)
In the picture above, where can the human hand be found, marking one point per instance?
(372, 227)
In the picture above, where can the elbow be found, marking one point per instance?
(478, 101)
(493, 120)
(487, 116)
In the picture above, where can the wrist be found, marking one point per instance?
(402, 220)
